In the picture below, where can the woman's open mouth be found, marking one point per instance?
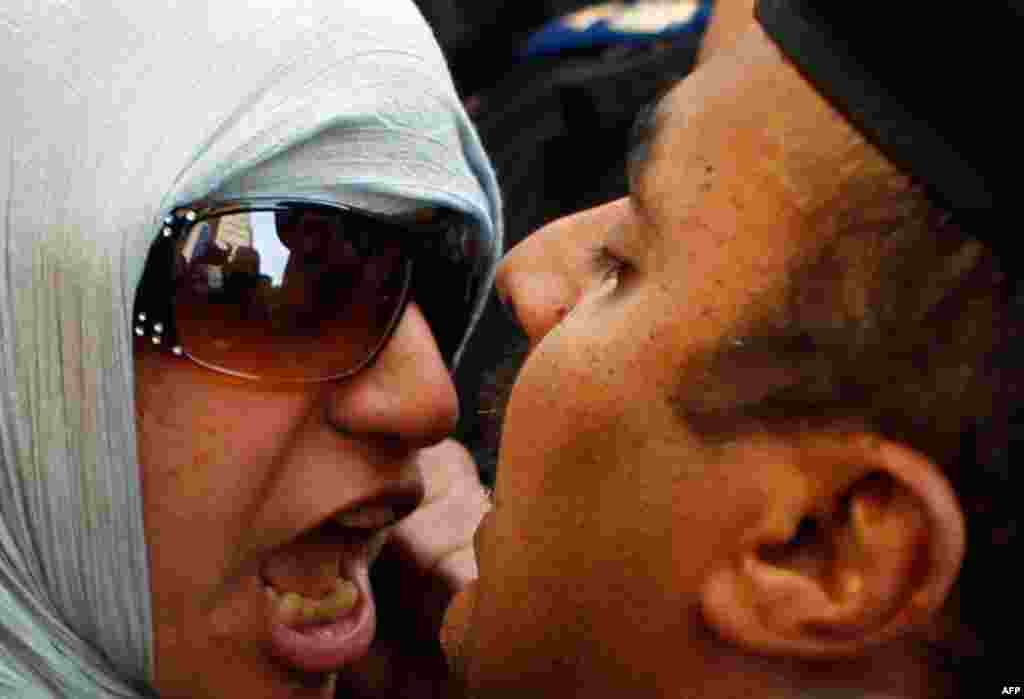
(319, 600)
(324, 635)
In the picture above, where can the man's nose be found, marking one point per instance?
(543, 277)
(406, 396)
(534, 286)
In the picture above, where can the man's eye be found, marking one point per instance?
(606, 264)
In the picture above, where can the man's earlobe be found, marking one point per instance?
(858, 560)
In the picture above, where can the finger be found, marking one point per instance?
(446, 468)
(437, 531)
(455, 504)
(458, 568)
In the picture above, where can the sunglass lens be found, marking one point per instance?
(302, 295)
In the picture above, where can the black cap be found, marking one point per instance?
(930, 89)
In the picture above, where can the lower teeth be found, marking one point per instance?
(292, 609)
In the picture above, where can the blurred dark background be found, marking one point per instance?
(556, 124)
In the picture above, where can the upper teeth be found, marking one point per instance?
(367, 518)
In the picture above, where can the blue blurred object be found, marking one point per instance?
(619, 23)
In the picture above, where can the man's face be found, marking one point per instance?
(609, 509)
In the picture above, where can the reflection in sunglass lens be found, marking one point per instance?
(299, 295)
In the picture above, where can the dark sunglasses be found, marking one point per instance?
(302, 290)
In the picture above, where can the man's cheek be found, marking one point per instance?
(569, 379)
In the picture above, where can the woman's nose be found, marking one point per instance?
(407, 394)
(542, 278)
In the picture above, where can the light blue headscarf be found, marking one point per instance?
(111, 113)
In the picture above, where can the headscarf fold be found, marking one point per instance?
(114, 112)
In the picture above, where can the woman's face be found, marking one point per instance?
(243, 485)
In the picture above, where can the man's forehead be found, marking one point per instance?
(678, 140)
(748, 113)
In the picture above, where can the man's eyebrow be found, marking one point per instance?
(641, 138)
(749, 378)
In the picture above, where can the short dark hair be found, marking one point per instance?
(902, 323)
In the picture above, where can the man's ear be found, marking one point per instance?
(865, 549)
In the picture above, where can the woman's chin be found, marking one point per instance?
(230, 653)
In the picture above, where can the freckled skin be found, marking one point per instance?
(609, 510)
